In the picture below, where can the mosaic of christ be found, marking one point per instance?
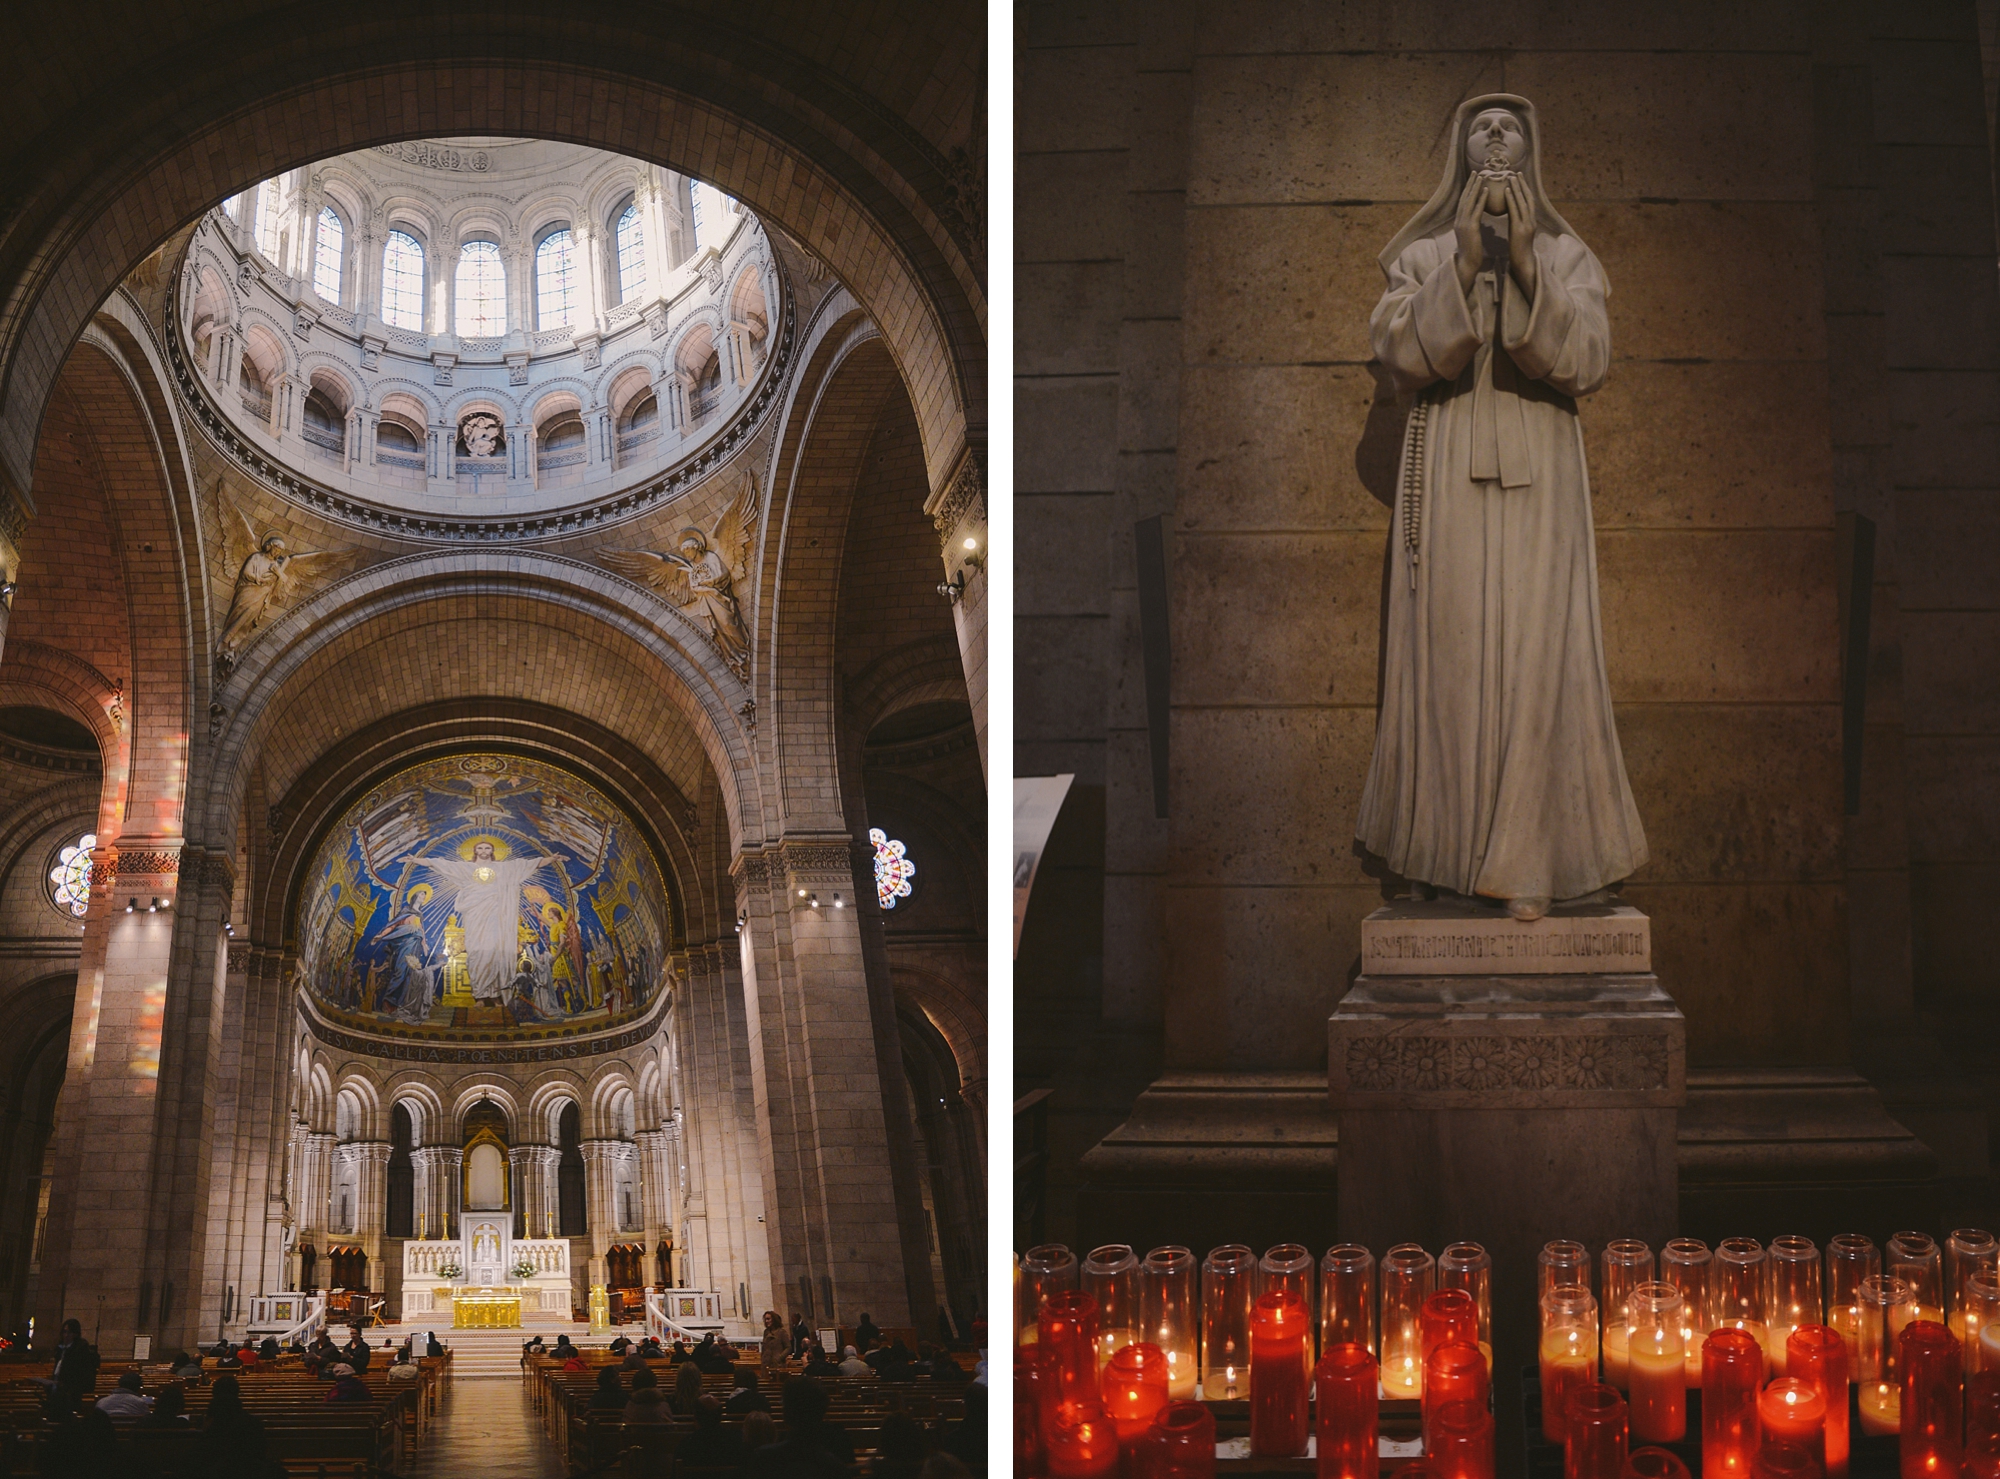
(483, 892)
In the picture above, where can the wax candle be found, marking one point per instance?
(1134, 1389)
(1617, 1342)
(1850, 1258)
(1568, 1353)
(1407, 1275)
(1968, 1252)
(1167, 1315)
(1659, 1365)
(1069, 1339)
(1598, 1433)
(1793, 1411)
(1883, 1308)
(1738, 1281)
(1347, 1297)
(1784, 1461)
(1817, 1355)
(1879, 1405)
(1111, 1277)
(1464, 1441)
(1732, 1369)
(1795, 1298)
(1932, 1415)
(1913, 1257)
(1347, 1413)
(1626, 1264)
(1228, 1289)
(1654, 1463)
(1469, 1267)
(1982, 1425)
(1684, 1263)
(1280, 1332)
(1082, 1441)
(1455, 1372)
(1184, 1441)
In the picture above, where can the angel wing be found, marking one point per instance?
(305, 568)
(239, 540)
(734, 534)
(651, 569)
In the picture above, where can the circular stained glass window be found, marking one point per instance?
(69, 876)
(893, 868)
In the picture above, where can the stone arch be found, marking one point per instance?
(493, 1088)
(423, 1103)
(549, 1097)
(609, 1079)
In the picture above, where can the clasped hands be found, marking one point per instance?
(1520, 232)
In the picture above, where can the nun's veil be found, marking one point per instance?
(1437, 212)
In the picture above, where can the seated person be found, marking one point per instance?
(867, 1332)
(405, 1369)
(432, 1346)
(710, 1445)
(564, 1350)
(126, 1402)
(620, 1346)
(811, 1445)
(229, 1360)
(610, 1393)
(818, 1365)
(169, 1408)
(348, 1388)
(650, 1348)
(247, 1354)
(647, 1404)
(269, 1349)
(853, 1365)
(760, 1430)
(680, 1350)
(746, 1397)
(575, 1361)
(533, 1346)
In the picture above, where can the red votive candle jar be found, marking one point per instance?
(1082, 1441)
(1461, 1442)
(1455, 1372)
(1598, 1433)
(1568, 1353)
(1932, 1364)
(1732, 1370)
(1029, 1457)
(1817, 1355)
(1183, 1442)
(1793, 1411)
(1784, 1461)
(1655, 1463)
(1069, 1345)
(1982, 1425)
(1449, 1318)
(1280, 1329)
(1348, 1409)
(1134, 1389)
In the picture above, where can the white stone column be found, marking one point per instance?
(656, 224)
(371, 1210)
(599, 1204)
(590, 308)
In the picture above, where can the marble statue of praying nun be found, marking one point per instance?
(1497, 770)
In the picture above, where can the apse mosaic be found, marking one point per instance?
(483, 891)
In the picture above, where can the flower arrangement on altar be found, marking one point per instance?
(525, 1269)
(449, 1270)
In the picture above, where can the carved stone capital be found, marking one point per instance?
(961, 502)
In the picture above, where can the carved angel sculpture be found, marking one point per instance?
(270, 575)
(700, 576)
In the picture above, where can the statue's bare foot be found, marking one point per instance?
(1526, 909)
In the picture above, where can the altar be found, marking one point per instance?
(485, 1262)
(484, 1309)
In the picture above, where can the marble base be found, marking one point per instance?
(1453, 937)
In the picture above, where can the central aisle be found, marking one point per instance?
(486, 1427)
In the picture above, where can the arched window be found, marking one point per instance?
(893, 868)
(481, 291)
(403, 282)
(267, 220)
(631, 253)
(711, 215)
(555, 281)
(327, 254)
(69, 876)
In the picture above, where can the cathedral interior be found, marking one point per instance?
(493, 711)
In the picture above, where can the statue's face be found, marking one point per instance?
(691, 547)
(274, 546)
(1496, 129)
(481, 434)
(482, 852)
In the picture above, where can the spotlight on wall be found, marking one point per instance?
(7, 589)
(815, 901)
(741, 920)
(131, 906)
(802, 893)
(836, 902)
(954, 588)
(154, 907)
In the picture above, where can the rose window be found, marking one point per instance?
(893, 868)
(69, 877)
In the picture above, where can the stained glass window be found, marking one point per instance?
(326, 256)
(482, 291)
(631, 254)
(69, 876)
(555, 281)
(893, 868)
(403, 282)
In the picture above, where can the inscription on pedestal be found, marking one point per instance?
(1445, 939)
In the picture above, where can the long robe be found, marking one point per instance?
(1497, 769)
(489, 908)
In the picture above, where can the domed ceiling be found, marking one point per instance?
(488, 897)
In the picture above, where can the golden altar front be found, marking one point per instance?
(483, 1309)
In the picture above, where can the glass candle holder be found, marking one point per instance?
(1982, 1319)
(1289, 1267)
(1884, 1306)
(1029, 1457)
(1967, 1252)
(1469, 1267)
(1082, 1442)
(1133, 1389)
(1463, 1446)
(1069, 1344)
(1794, 1298)
(1738, 1278)
(1913, 1257)
(1407, 1273)
(1817, 1355)
(1932, 1415)
(1228, 1289)
(1454, 1372)
(1347, 1298)
(1655, 1463)
(1850, 1258)
(1047, 1269)
(1167, 1315)
(1658, 1363)
(1449, 1318)
(1280, 1342)
(1784, 1461)
(1732, 1371)
(1184, 1438)
(1627, 1263)
(1982, 1425)
(1347, 1415)
(1598, 1433)
(1561, 1262)
(1793, 1411)
(1111, 1277)
(1568, 1353)
(1684, 1263)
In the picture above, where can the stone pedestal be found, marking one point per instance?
(1506, 1106)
